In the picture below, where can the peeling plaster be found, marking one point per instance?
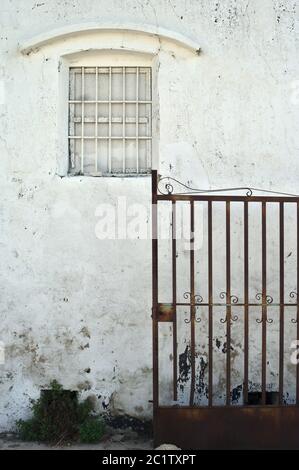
(79, 310)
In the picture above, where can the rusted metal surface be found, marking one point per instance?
(264, 304)
(281, 300)
(297, 319)
(247, 425)
(246, 301)
(210, 287)
(155, 290)
(192, 307)
(166, 312)
(174, 300)
(228, 307)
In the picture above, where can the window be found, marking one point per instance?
(110, 114)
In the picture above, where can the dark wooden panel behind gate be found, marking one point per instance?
(212, 426)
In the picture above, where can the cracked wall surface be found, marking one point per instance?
(78, 309)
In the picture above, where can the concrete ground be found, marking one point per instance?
(115, 441)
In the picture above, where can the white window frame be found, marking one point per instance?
(128, 135)
(101, 58)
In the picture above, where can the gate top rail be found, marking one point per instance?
(165, 187)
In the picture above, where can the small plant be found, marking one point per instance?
(91, 430)
(58, 416)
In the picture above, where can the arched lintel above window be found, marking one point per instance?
(33, 44)
(83, 56)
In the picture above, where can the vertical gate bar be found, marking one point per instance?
(155, 289)
(82, 119)
(137, 119)
(192, 307)
(264, 307)
(246, 301)
(228, 306)
(297, 366)
(174, 323)
(210, 269)
(281, 299)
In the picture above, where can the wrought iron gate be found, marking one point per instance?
(265, 416)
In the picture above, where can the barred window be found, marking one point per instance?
(110, 120)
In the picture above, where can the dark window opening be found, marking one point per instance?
(255, 398)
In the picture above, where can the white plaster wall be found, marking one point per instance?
(228, 117)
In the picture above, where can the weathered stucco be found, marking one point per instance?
(77, 308)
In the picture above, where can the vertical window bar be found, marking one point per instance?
(72, 95)
(246, 300)
(281, 301)
(174, 300)
(109, 121)
(210, 287)
(124, 118)
(137, 119)
(96, 122)
(82, 120)
(192, 306)
(264, 304)
(228, 307)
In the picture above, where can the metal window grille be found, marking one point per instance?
(110, 114)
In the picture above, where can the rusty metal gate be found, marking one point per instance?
(231, 378)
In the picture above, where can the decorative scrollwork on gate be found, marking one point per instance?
(268, 320)
(233, 298)
(188, 320)
(166, 186)
(269, 298)
(269, 301)
(233, 318)
(197, 298)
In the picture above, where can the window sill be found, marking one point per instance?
(109, 175)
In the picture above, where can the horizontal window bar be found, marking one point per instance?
(105, 70)
(105, 120)
(109, 137)
(110, 101)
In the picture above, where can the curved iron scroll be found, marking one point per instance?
(269, 298)
(268, 320)
(168, 189)
(294, 295)
(197, 298)
(188, 320)
(233, 298)
(232, 318)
